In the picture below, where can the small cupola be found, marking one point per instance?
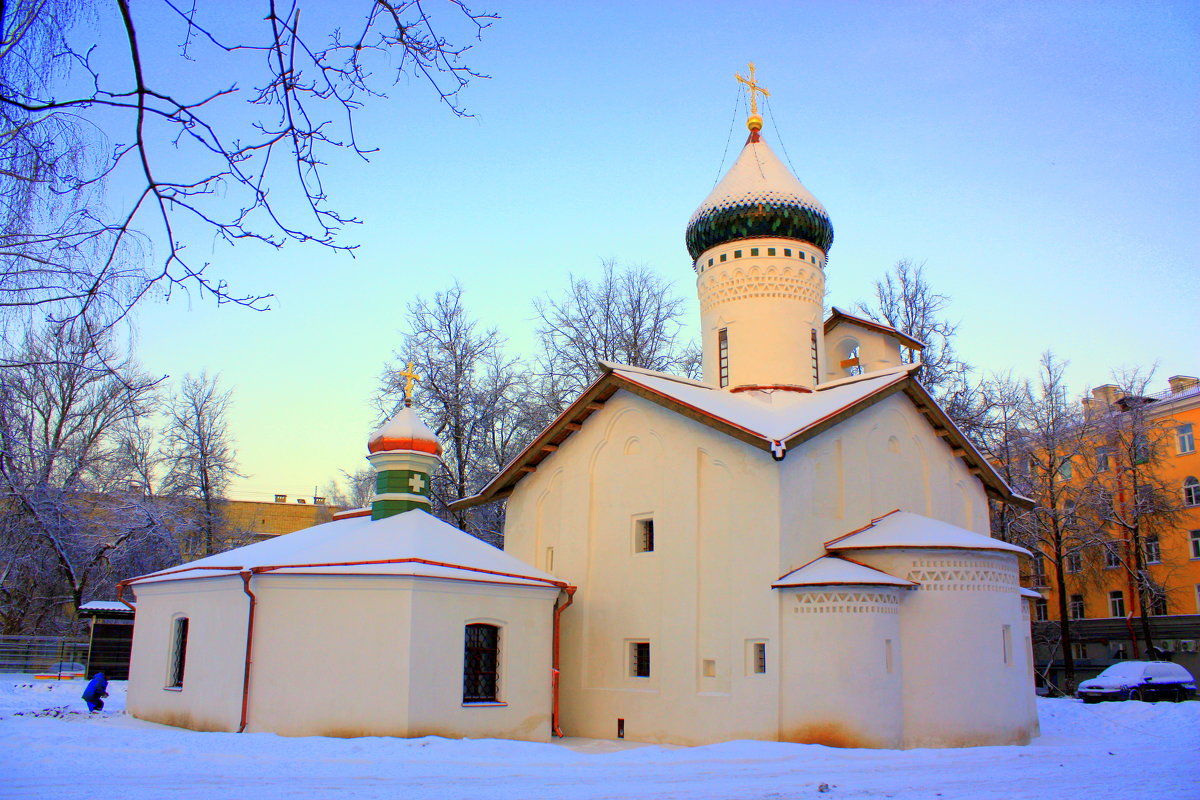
(404, 453)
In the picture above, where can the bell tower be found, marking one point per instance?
(759, 244)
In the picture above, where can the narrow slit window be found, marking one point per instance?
(816, 359)
(178, 653)
(760, 658)
(643, 536)
(639, 659)
(723, 355)
(1006, 643)
(888, 663)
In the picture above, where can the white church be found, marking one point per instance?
(795, 548)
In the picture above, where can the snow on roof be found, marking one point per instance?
(906, 529)
(834, 571)
(758, 176)
(838, 316)
(105, 605)
(1030, 593)
(415, 542)
(773, 415)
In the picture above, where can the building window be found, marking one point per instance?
(1074, 561)
(787, 252)
(643, 536)
(800, 254)
(1079, 650)
(737, 253)
(1198, 598)
(1158, 604)
(1116, 604)
(1064, 470)
(481, 662)
(1041, 609)
(723, 355)
(753, 251)
(1075, 607)
(1185, 438)
(1103, 459)
(1111, 557)
(1038, 567)
(723, 256)
(639, 659)
(816, 358)
(1153, 551)
(1194, 540)
(770, 251)
(710, 262)
(1141, 448)
(179, 639)
(1191, 491)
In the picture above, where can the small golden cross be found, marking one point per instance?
(408, 384)
(754, 89)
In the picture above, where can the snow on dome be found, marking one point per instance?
(758, 196)
(906, 529)
(404, 431)
(834, 571)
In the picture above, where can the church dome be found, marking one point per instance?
(404, 431)
(758, 196)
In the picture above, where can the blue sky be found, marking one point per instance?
(1042, 160)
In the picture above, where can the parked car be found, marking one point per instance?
(64, 670)
(1139, 680)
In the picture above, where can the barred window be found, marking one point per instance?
(639, 659)
(481, 664)
(178, 653)
(723, 356)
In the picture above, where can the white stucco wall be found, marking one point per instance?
(211, 696)
(344, 656)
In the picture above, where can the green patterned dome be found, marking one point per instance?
(758, 197)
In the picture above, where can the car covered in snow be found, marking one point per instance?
(1139, 680)
(63, 670)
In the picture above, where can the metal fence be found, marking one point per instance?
(38, 655)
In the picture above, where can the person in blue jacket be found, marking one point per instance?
(95, 693)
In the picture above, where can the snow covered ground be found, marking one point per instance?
(1111, 750)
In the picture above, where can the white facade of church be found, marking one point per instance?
(795, 548)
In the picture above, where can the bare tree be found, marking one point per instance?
(1052, 447)
(215, 157)
(352, 489)
(630, 316)
(905, 300)
(1137, 503)
(477, 399)
(200, 455)
(64, 522)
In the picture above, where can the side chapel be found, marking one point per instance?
(795, 548)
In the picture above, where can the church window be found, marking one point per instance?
(723, 256)
(1185, 438)
(1153, 551)
(708, 668)
(753, 251)
(1006, 643)
(737, 253)
(1116, 604)
(639, 659)
(756, 657)
(710, 262)
(800, 254)
(1075, 607)
(1041, 609)
(888, 658)
(1191, 491)
(1074, 561)
(770, 251)
(481, 663)
(723, 356)
(787, 252)
(549, 559)
(643, 535)
(816, 358)
(179, 639)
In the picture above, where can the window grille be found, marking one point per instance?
(760, 658)
(723, 355)
(480, 663)
(644, 536)
(639, 659)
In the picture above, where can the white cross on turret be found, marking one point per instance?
(417, 483)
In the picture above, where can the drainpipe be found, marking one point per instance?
(121, 596)
(246, 576)
(554, 670)
(1132, 636)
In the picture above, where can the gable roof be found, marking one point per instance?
(837, 571)
(769, 420)
(837, 317)
(905, 529)
(413, 543)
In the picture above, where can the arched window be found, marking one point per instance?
(481, 664)
(178, 655)
(1191, 491)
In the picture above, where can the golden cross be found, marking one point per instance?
(408, 384)
(754, 88)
